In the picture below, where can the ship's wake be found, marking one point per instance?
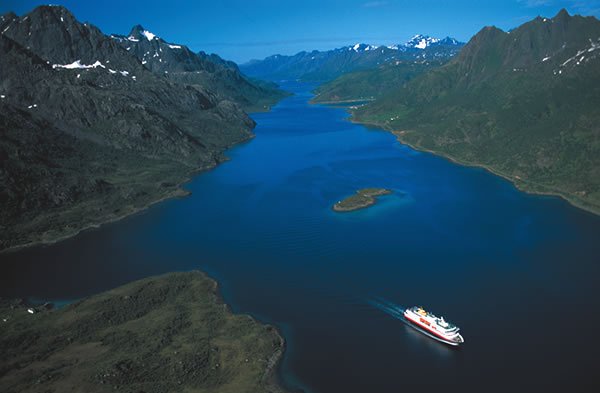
(388, 307)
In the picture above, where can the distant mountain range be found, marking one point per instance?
(524, 104)
(327, 65)
(92, 127)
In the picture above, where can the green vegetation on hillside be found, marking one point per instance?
(161, 334)
(372, 83)
(525, 104)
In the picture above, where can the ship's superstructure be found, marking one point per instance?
(433, 326)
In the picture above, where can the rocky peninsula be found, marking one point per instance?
(163, 334)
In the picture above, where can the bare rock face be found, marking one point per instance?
(179, 64)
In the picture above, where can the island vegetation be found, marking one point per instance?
(362, 199)
(163, 334)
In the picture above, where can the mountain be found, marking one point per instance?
(420, 41)
(179, 64)
(54, 34)
(524, 104)
(327, 65)
(88, 134)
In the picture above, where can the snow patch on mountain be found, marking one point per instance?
(148, 35)
(362, 47)
(420, 41)
(77, 64)
(593, 46)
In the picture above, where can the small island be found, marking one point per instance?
(362, 199)
(170, 333)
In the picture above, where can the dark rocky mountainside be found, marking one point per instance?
(524, 103)
(88, 133)
(55, 35)
(327, 65)
(160, 56)
(179, 64)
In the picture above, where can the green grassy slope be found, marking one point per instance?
(372, 83)
(525, 104)
(162, 334)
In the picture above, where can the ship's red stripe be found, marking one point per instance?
(427, 328)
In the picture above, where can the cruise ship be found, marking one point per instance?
(432, 326)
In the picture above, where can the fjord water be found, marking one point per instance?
(518, 273)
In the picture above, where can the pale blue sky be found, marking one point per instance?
(243, 29)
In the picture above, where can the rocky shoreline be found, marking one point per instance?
(55, 235)
(520, 183)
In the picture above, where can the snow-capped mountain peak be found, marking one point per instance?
(148, 35)
(420, 41)
(358, 47)
(138, 32)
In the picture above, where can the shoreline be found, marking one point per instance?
(178, 192)
(338, 209)
(361, 199)
(340, 103)
(519, 184)
(164, 291)
(271, 375)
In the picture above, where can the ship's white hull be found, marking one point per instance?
(424, 323)
(431, 335)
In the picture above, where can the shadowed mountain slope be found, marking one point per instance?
(89, 134)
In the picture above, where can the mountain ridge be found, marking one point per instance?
(522, 103)
(88, 134)
(179, 64)
(327, 65)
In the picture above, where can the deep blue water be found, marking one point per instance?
(518, 273)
